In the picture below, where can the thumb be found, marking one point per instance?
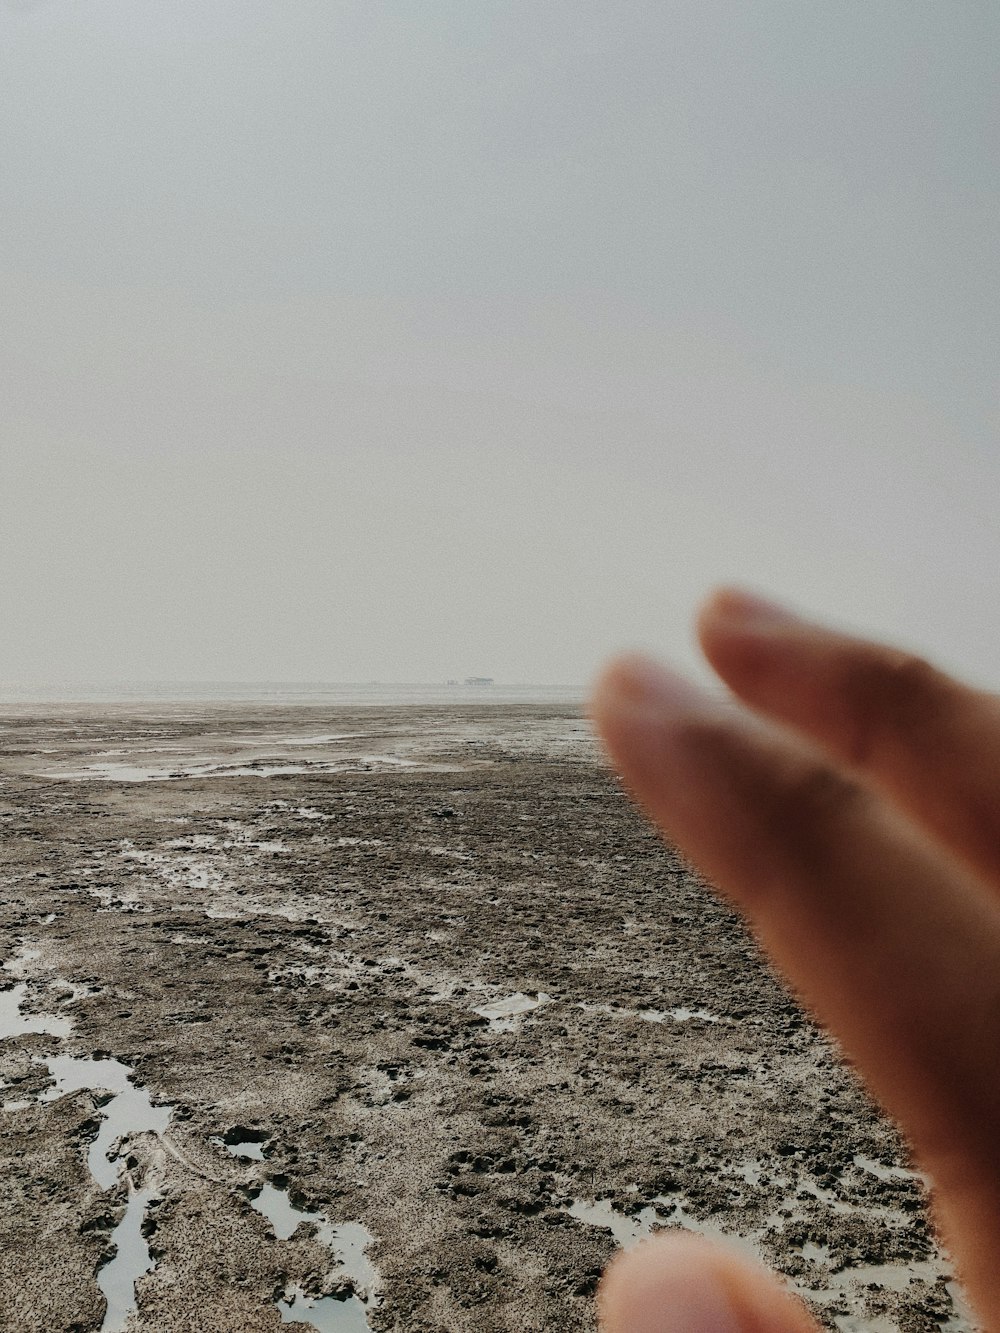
(685, 1284)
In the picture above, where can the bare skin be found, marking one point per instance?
(846, 798)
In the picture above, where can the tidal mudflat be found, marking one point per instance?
(395, 1018)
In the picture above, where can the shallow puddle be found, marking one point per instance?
(20, 964)
(671, 1211)
(276, 1206)
(325, 1313)
(681, 1014)
(753, 1172)
(118, 1277)
(15, 1024)
(347, 1243)
(627, 1230)
(115, 771)
(503, 1014)
(246, 1151)
(883, 1172)
(130, 1111)
(665, 1211)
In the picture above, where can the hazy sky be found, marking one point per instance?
(350, 340)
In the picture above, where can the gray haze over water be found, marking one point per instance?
(417, 340)
(371, 694)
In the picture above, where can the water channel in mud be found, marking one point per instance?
(129, 1111)
(346, 1311)
(118, 1277)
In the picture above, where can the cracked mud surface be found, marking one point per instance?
(426, 971)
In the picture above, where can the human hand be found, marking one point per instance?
(852, 812)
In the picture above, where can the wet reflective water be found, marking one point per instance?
(347, 1243)
(883, 1172)
(14, 1024)
(118, 771)
(117, 1278)
(665, 1211)
(246, 1152)
(670, 1211)
(130, 1111)
(276, 1206)
(325, 1313)
(683, 1015)
(503, 1014)
(627, 1230)
(680, 1014)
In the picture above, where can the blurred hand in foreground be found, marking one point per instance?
(852, 811)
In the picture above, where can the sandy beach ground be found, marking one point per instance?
(394, 1018)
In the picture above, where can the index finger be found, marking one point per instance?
(892, 945)
(930, 742)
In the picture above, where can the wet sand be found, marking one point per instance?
(395, 1018)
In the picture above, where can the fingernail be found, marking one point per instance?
(749, 611)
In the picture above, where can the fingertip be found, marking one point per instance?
(687, 1284)
(608, 703)
(616, 678)
(635, 683)
(639, 709)
(745, 637)
(667, 1283)
(741, 610)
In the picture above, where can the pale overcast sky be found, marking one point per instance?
(351, 340)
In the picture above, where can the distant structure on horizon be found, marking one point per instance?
(479, 680)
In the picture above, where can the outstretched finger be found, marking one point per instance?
(932, 743)
(684, 1284)
(892, 945)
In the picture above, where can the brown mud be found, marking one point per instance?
(434, 974)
